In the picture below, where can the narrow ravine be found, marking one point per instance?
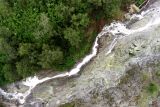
(117, 30)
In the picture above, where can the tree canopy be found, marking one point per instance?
(49, 34)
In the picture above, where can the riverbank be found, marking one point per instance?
(91, 88)
(106, 52)
(38, 35)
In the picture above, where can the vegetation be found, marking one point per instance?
(152, 88)
(149, 93)
(158, 73)
(68, 105)
(1, 105)
(49, 34)
(139, 2)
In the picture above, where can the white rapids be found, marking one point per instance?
(115, 28)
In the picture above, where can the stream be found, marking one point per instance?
(117, 31)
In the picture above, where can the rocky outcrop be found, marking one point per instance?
(133, 9)
(129, 75)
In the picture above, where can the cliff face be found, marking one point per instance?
(129, 75)
(121, 78)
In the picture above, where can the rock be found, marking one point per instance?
(118, 79)
(133, 9)
(127, 16)
(17, 87)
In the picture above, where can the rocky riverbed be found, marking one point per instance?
(127, 76)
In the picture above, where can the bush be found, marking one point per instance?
(152, 88)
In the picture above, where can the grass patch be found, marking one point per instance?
(148, 93)
(158, 74)
(139, 2)
(68, 105)
(152, 88)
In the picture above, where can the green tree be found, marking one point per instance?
(4, 9)
(7, 53)
(80, 20)
(25, 49)
(97, 2)
(24, 68)
(50, 57)
(8, 73)
(73, 36)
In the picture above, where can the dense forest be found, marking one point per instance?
(50, 34)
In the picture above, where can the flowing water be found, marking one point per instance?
(118, 30)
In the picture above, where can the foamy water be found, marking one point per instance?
(115, 28)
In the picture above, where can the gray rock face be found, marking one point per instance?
(119, 79)
(98, 85)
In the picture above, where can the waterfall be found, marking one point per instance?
(117, 29)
